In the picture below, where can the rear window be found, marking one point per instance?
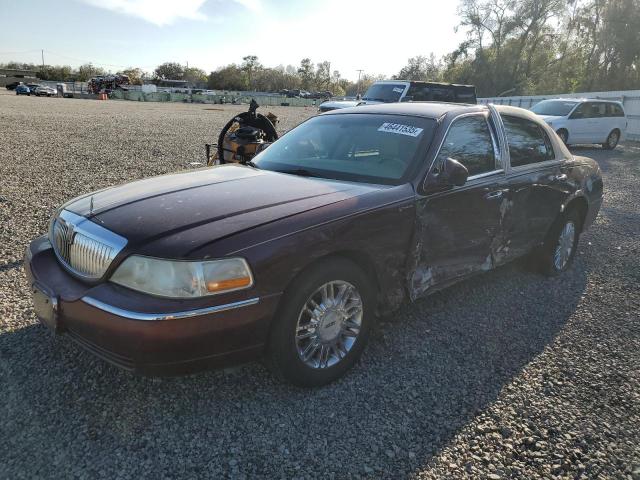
(367, 148)
(384, 92)
(614, 110)
(528, 142)
(430, 92)
(597, 110)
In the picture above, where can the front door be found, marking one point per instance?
(457, 228)
(579, 124)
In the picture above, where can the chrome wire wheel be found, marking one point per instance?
(329, 324)
(564, 248)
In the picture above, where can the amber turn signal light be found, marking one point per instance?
(230, 284)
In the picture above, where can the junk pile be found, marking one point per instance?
(243, 137)
(107, 83)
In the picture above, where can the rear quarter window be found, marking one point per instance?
(528, 142)
(614, 110)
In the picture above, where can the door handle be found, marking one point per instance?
(494, 195)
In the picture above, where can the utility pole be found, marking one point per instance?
(42, 52)
(358, 87)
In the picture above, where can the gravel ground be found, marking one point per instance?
(509, 374)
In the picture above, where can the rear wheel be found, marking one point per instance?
(323, 325)
(612, 140)
(559, 249)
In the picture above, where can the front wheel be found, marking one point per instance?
(612, 140)
(323, 325)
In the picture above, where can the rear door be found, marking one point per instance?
(536, 181)
(456, 228)
(616, 118)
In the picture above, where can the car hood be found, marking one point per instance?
(235, 198)
(550, 118)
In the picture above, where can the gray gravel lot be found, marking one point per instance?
(509, 374)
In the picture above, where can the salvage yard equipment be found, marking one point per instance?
(107, 83)
(243, 137)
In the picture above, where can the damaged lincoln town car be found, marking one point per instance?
(292, 256)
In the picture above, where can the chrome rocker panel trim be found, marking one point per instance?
(167, 316)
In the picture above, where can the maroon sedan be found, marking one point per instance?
(293, 255)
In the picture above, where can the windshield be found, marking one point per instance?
(384, 92)
(366, 148)
(557, 108)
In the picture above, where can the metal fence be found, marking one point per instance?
(630, 100)
(218, 98)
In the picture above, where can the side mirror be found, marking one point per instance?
(576, 115)
(407, 98)
(453, 173)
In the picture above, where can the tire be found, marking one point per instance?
(559, 249)
(612, 140)
(309, 348)
(564, 135)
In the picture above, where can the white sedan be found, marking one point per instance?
(45, 91)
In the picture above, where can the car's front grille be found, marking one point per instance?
(83, 247)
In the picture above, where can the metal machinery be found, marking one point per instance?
(243, 137)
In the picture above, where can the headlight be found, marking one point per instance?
(183, 279)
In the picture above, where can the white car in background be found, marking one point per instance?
(584, 120)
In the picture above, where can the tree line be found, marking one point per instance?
(513, 47)
(528, 47)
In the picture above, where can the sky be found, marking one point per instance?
(373, 35)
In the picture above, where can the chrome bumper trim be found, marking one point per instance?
(167, 316)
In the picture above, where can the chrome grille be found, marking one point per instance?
(84, 248)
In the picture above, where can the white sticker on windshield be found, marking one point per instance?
(398, 89)
(400, 129)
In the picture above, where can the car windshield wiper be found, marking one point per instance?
(299, 171)
(251, 164)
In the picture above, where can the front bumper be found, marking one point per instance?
(151, 335)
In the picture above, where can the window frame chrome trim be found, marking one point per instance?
(485, 174)
(150, 317)
(502, 133)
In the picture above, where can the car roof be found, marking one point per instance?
(581, 100)
(518, 112)
(420, 82)
(417, 109)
